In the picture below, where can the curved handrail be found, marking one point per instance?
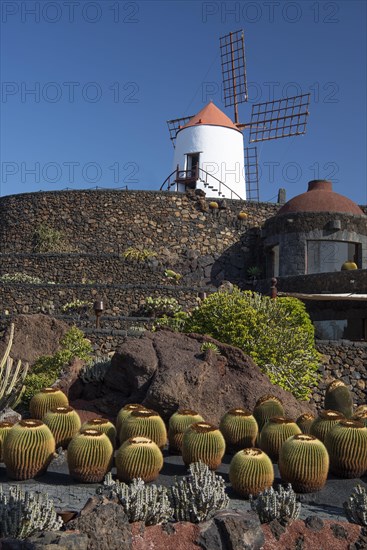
(167, 181)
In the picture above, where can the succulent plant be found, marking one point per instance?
(45, 400)
(199, 495)
(178, 423)
(266, 407)
(64, 423)
(250, 472)
(138, 457)
(324, 422)
(203, 442)
(242, 215)
(360, 415)
(280, 504)
(4, 430)
(213, 205)
(275, 432)
(304, 462)
(304, 422)
(89, 456)
(101, 425)
(146, 423)
(28, 449)
(356, 506)
(239, 429)
(349, 265)
(124, 414)
(11, 379)
(338, 397)
(346, 443)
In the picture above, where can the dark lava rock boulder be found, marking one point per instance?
(34, 335)
(167, 370)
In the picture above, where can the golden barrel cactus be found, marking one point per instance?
(203, 442)
(45, 400)
(138, 457)
(64, 423)
(89, 456)
(251, 472)
(239, 429)
(178, 423)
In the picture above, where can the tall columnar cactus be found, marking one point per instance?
(266, 407)
(250, 472)
(146, 423)
(324, 422)
(64, 423)
(45, 400)
(90, 456)
(124, 414)
(338, 397)
(138, 457)
(304, 422)
(275, 432)
(239, 429)
(178, 423)
(203, 442)
(346, 443)
(28, 449)
(4, 430)
(304, 462)
(101, 425)
(11, 379)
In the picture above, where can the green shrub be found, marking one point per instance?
(160, 306)
(277, 334)
(48, 239)
(47, 369)
(138, 255)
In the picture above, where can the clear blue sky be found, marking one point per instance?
(108, 74)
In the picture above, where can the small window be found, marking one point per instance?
(329, 256)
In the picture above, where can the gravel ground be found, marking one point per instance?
(70, 495)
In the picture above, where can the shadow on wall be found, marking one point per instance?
(235, 261)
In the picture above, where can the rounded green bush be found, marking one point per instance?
(338, 397)
(203, 442)
(178, 423)
(346, 443)
(275, 432)
(304, 462)
(324, 422)
(251, 472)
(138, 457)
(45, 400)
(239, 429)
(89, 456)
(28, 449)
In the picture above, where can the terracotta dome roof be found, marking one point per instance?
(320, 197)
(211, 115)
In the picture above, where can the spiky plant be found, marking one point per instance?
(304, 422)
(338, 397)
(275, 432)
(304, 462)
(28, 449)
(146, 423)
(178, 423)
(124, 414)
(90, 456)
(101, 425)
(203, 442)
(239, 429)
(250, 472)
(324, 422)
(138, 457)
(266, 407)
(346, 443)
(11, 379)
(64, 423)
(4, 430)
(45, 400)
(360, 416)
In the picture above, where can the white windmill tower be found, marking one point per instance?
(209, 146)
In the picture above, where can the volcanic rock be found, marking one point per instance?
(167, 370)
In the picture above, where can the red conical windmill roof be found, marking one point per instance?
(212, 116)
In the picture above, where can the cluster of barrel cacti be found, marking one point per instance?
(306, 449)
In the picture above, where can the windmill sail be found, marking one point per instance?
(174, 125)
(232, 50)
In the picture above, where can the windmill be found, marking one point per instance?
(269, 120)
